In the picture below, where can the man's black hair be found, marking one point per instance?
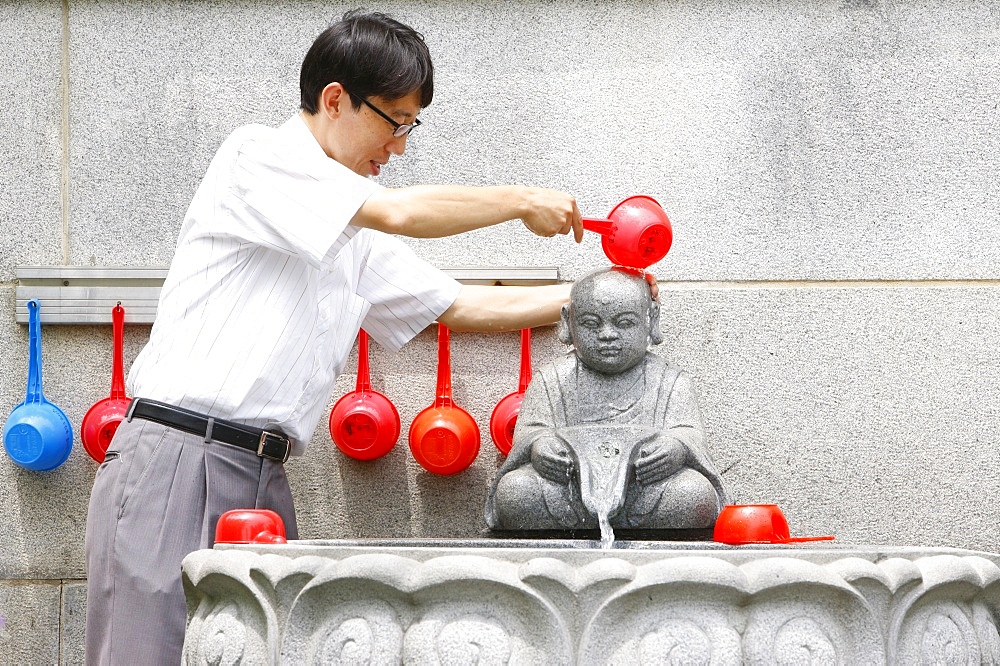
(371, 55)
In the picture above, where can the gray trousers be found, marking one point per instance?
(157, 497)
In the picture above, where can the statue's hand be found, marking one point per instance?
(551, 459)
(659, 459)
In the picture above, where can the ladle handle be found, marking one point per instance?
(603, 227)
(443, 398)
(525, 360)
(117, 363)
(364, 375)
(34, 393)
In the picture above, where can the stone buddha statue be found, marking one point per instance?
(608, 435)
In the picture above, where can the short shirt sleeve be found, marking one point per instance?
(287, 195)
(406, 293)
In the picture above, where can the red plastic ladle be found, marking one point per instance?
(444, 438)
(504, 416)
(364, 424)
(742, 524)
(261, 526)
(103, 418)
(637, 233)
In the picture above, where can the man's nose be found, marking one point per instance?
(397, 145)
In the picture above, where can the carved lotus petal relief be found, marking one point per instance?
(382, 607)
(386, 609)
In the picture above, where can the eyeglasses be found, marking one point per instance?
(398, 130)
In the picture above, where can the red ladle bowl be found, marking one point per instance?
(637, 233)
(364, 424)
(103, 418)
(444, 438)
(504, 416)
(250, 526)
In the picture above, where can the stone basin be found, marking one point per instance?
(427, 601)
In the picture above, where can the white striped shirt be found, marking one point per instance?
(269, 285)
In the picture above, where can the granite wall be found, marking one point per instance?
(829, 168)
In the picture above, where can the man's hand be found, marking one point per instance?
(654, 289)
(552, 460)
(550, 212)
(659, 460)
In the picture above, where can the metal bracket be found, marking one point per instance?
(86, 295)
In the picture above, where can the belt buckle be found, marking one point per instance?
(267, 437)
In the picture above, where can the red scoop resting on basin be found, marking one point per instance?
(250, 526)
(741, 524)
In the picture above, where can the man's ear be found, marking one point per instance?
(564, 331)
(655, 334)
(333, 99)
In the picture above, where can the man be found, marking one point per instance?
(608, 433)
(284, 253)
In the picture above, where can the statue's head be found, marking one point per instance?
(611, 319)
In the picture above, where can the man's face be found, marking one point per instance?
(609, 322)
(362, 140)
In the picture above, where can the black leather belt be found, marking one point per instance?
(274, 446)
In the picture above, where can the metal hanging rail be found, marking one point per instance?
(86, 295)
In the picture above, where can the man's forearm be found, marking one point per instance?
(480, 308)
(434, 211)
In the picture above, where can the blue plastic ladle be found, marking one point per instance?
(37, 435)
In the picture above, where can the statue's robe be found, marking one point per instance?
(566, 394)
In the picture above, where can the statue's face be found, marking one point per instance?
(610, 325)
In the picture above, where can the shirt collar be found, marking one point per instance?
(295, 132)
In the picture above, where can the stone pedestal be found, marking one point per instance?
(571, 602)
